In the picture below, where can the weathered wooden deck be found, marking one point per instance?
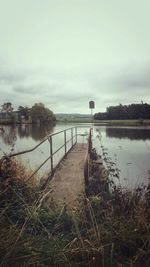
(68, 181)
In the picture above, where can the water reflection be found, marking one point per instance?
(123, 143)
(129, 148)
(8, 135)
(37, 132)
(128, 133)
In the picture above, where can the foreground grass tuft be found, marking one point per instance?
(30, 233)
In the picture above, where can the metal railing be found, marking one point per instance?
(73, 132)
(73, 140)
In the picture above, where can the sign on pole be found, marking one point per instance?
(91, 106)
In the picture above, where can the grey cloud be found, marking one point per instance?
(71, 98)
(64, 93)
(10, 78)
(32, 89)
(133, 78)
(28, 90)
(57, 95)
(24, 90)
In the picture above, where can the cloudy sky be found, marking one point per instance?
(66, 52)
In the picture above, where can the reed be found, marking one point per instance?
(112, 227)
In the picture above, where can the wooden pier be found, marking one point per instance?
(68, 183)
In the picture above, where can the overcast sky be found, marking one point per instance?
(66, 52)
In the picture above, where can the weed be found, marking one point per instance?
(113, 228)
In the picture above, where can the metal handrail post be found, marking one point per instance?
(65, 141)
(51, 152)
(72, 136)
(76, 134)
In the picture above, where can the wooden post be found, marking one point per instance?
(90, 141)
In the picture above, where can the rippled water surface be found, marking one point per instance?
(129, 147)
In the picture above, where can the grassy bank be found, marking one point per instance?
(111, 229)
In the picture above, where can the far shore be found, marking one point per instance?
(139, 122)
(110, 122)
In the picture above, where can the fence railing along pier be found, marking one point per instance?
(73, 133)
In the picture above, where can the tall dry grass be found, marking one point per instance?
(111, 229)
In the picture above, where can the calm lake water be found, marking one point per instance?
(129, 147)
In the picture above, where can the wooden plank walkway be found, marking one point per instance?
(68, 181)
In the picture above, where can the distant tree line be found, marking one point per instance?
(38, 113)
(125, 112)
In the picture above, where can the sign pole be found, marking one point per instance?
(91, 117)
(92, 106)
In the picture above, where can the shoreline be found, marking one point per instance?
(95, 122)
(110, 122)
